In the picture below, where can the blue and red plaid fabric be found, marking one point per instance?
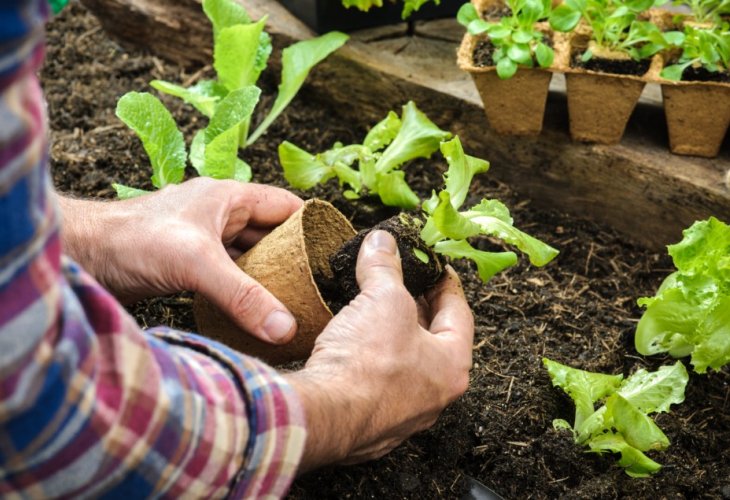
(91, 405)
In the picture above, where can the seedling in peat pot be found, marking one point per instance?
(622, 424)
(703, 49)
(516, 40)
(616, 27)
(386, 148)
(241, 51)
(690, 313)
(443, 231)
(707, 11)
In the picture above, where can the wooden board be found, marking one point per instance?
(637, 187)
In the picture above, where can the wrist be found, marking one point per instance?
(336, 414)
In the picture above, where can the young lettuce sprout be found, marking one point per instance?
(690, 313)
(240, 53)
(622, 425)
(446, 229)
(409, 6)
(387, 147)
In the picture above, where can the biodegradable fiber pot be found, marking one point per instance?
(698, 116)
(285, 262)
(599, 104)
(515, 106)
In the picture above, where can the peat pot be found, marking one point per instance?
(328, 15)
(698, 115)
(600, 103)
(285, 262)
(515, 106)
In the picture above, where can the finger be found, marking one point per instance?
(245, 301)
(451, 313)
(424, 313)
(248, 238)
(266, 206)
(378, 262)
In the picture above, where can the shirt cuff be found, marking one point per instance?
(276, 419)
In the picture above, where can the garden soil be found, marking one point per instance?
(581, 309)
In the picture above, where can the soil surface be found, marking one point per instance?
(418, 276)
(578, 310)
(616, 66)
(692, 74)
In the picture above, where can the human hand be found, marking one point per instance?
(377, 375)
(182, 237)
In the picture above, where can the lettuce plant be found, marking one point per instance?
(409, 6)
(690, 313)
(517, 43)
(615, 26)
(707, 48)
(240, 53)
(447, 230)
(390, 144)
(622, 424)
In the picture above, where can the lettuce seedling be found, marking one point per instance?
(409, 6)
(622, 424)
(707, 10)
(241, 52)
(517, 42)
(390, 144)
(707, 48)
(615, 26)
(690, 313)
(447, 230)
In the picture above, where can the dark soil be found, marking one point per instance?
(700, 74)
(615, 66)
(578, 310)
(418, 276)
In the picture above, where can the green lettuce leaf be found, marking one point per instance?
(395, 192)
(155, 126)
(634, 462)
(203, 96)
(462, 169)
(224, 14)
(297, 61)
(236, 54)
(418, 137)
(126, 192)
(363, 5)
(488, 263)
(383, 132)
(635, 427)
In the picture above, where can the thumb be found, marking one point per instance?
(378, 262)
(251, 306)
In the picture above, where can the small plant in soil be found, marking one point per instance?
(512, 42)
(690, 313)
(622, 424)
(409, 6)
(707, 11)
(705, 55)
(241, 51)
(388, 146)
(618, 34)
(441, 230)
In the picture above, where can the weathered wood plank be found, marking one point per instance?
(638, 187)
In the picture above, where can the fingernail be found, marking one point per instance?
(381, 241)
(278, 325)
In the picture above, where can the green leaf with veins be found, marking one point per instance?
(462, 169)
(297, 61)
(395, 192)
(418, 137)
(224, 14)
(383, 132)
(488, 263)
(236, 56)
(203, 96)
(155, 126)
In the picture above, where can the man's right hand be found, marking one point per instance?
(377, 374)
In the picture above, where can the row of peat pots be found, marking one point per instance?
(602, 92)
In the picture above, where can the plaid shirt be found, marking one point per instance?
(90, 405)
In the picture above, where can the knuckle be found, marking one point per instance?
(248, 300)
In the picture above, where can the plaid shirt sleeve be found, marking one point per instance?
(90, 405)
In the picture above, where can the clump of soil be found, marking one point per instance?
(579, 310)
(418, 276)
(615, 66)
